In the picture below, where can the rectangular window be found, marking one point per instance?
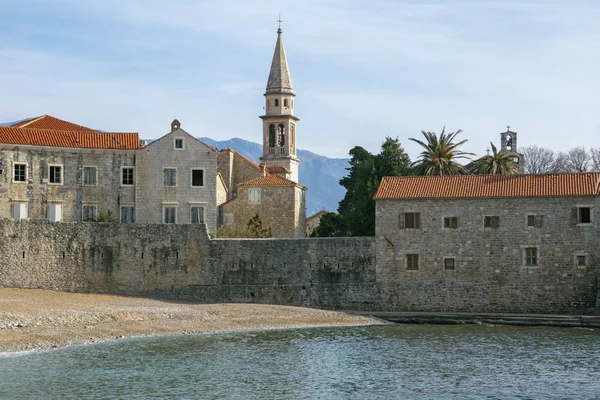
(451, 222)
(531, 256)
(410, 220)
(449, 263)
(531, 220)
(55, 174)
(127, 214)
(197, 177)
(491, 222)
(179, 144)
(20, 173)
(534, 221)
(127, 176)
(197, 215)
(89, 213)
(581, 261)
(19, 210)
(584, 215)
(90, 176)
(54, 212)
(170, 177)
(170, 215)
(412, 261)
(254, 196)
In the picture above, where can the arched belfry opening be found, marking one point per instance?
(281, 135)
(272, 136)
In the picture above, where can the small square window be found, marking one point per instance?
(170, 215)
(90, 176)
(89, 213)
(412, 261)
(531, 256)
(410, 220)
(55, 174)
(254, 196)
(491, 221)
(197, 215)
(20, 173)
(179, 144)
(127, 176)
(451, 222)
(197, 178)
(127, 214)
(581, 261)
(449, 263)
(584, 215)
(170, 177)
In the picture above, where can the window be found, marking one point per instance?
(89, 213)
(412, 261)
(581, 261)
(281, 135)
(179, 144)
(90, 176)
(55, 212)
(197, 177)
(491, 222)
(19, 210)
(272, 135)
(254, 196)
(227, 219)
(534, 221)
(411, 220)
(20, 172)
(126, 176)
(197, 215)
(531, 256)
(584, 215)
(170, 177)
(170, 215)
(451, 222)
(285, 103)
(449, 263)
(127, 214)
(55, 172)
(276, 102)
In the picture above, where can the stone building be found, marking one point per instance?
(270, 189)
(522, 238)
(176, 180)
(53, 169)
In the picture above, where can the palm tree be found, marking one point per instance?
(440, 155)
(497, 163)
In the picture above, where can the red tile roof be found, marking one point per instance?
(278, 170)
(270, 180)
(52, 123)
(57, 138)
(478, 186)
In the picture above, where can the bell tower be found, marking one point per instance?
(279, 121)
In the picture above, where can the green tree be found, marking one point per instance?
(357, 208)
(440, 154)
(255, 227)
(330, 225)
(105, 217)
(497, 163)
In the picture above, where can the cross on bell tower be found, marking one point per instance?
(279, 121)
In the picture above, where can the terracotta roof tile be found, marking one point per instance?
(477, 186)
(278, 170)
(270, 180)
(52, 123)
(57, 138)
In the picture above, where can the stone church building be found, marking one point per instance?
(64, 172)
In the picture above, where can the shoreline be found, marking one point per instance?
(34, 320)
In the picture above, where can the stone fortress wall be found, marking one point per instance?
(180, 262)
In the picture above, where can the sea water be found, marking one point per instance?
(375, 362)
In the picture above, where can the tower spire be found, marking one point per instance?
(279, 81)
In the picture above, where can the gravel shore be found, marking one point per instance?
(32, 319)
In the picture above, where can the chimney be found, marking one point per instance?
(175, 125)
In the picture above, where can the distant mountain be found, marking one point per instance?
(320, 174)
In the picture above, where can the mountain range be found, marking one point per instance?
(320, 174)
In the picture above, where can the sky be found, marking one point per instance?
(362, 70)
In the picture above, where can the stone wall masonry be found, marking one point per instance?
(490, 273)
(180, 262)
